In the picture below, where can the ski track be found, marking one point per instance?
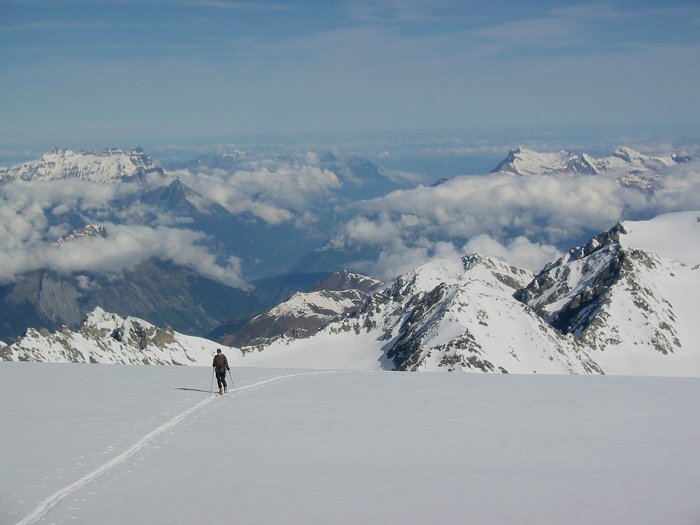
(47, 504)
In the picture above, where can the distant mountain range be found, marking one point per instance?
(526, 162)
(111, 165)
(88, 190)
(269, 238)
(622, 304)
(277, 259)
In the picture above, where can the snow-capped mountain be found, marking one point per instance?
(526, 162)
(446, 315)
(89, 230)
(108, 338)
(304, 313)
(622, 304)
(63, 164)
(629, 296)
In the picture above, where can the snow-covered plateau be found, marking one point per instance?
(143, 445)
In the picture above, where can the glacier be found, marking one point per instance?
(143, 445)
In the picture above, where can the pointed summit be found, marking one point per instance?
(89, 230)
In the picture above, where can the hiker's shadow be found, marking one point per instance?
(193, 390)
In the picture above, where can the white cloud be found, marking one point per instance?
(291, 189)
(123, 248)
(34, 215)
(399, 258)
(393, 262)
(526, 221)
(554, 208)
(519, 252)
(403, 177)
(272, 191)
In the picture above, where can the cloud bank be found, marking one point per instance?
(123, 248)
(526, 221)
(273, 192)
(294, 189)
(34, 214)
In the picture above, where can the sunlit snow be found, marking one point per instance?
(143, 445)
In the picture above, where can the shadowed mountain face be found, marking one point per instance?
(162, 293)
(304, 313)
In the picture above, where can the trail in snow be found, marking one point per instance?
(47, 504)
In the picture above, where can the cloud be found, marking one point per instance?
(272, 191)
(123, 248)
(526, 221)
(34, 214)
(519, 252)
(400, 259)
(403, 177)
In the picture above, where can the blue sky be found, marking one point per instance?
(122, 70)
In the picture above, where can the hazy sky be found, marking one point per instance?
(113, 70)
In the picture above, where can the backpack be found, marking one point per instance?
(220, 362)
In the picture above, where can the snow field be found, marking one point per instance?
(344, 447)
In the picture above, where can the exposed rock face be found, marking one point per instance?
(554, 293)
(460, 315)
(626, 304)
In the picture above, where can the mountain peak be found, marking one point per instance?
(89, 230)
(111, 165)
(627, 154)
(106, 337)
(628, 295)
(526, 162)
(345, 280)
(305, 313)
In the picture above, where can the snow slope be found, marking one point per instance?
(673, 236)
(144, 445)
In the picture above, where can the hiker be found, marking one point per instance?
(220, 367)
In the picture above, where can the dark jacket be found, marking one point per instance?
(220, 363)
